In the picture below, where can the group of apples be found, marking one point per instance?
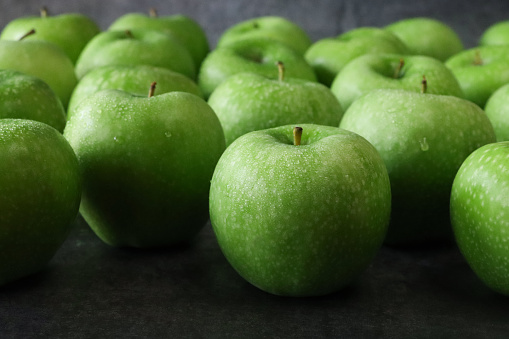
(306, 156)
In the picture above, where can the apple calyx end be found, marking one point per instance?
(152, 89)
(424, 85)
(297, 135)
(281, 70)
(397, 71)
(27, 34)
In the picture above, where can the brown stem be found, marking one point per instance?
(44, 12)
(477, 57)
(297, 135)
(397, 72)
(152, 89)
(152, 12)
(424, 84)
(281, 70)
(27, 34)
(129, 34)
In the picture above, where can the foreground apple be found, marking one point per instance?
(70, 31)
(132, 79)
(40, 195)
(26, 97)
(427, 36)
(497, 110)
(248, 102)
(146, 163)
(479, 214)
(251, 55)
(423, 139)
(300, 217)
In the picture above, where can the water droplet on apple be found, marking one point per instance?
(424, 144)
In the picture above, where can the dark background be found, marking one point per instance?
(91, 290)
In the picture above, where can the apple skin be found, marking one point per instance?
(146, 164)
(268, 27)
(376, 71)
(26, 97)
(427, 36)
(497, 110)
(134, 79)
(183, 28)
(70, 31)
(43, 60)
(139, 47)
(300, 220)
(39, 199)
(479, 211)
(480, 81)
(329, 55)
(258, 56)
(248, 102)
(496, 34)
(423, 140)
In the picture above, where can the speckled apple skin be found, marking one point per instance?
(376, 71)
(248, 102)
(423, 139)
(147, 165)
(480, 214)
(300, 220)
(40, 194)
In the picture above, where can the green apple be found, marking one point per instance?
(248, 102)
(135, 47)
(481, 71)
(70, 31)
(146, 163)
(268, 27)
(40, 195)
(183, 28)
(300, 218)
(133, 79)
(423, 140)
(392, 71)
(26, 97)
(41, 59)
(251, 55)
(497, 110)
(479, 210)
(427, 36)
(496, 34)
(329, 55)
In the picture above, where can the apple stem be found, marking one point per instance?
(152, 12)
(30, 32)
(152, 89)
(256, 25)
(44, 12)
(477, 58)
(281, 70)
(424, 84)
(297, 135)
(397, 72)
(129, 34)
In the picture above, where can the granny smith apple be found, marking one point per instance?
(423, 140)
(427, 36)
(479, 210)
(41, 59)
(251, 55)
(303, 217)
(26, 97)
(69, 31)
(183, 28)
(392, 71)
(329, 55)
(135, 47)
(268, 27)
(481, 71)
(133, 79)
(496, 34)
(146, 163)
(248, 102)
(497, 110)
(40, 195)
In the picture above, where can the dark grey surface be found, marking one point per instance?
(91, 290)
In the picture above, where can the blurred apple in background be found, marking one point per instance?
(497, 110)
(496, 34)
